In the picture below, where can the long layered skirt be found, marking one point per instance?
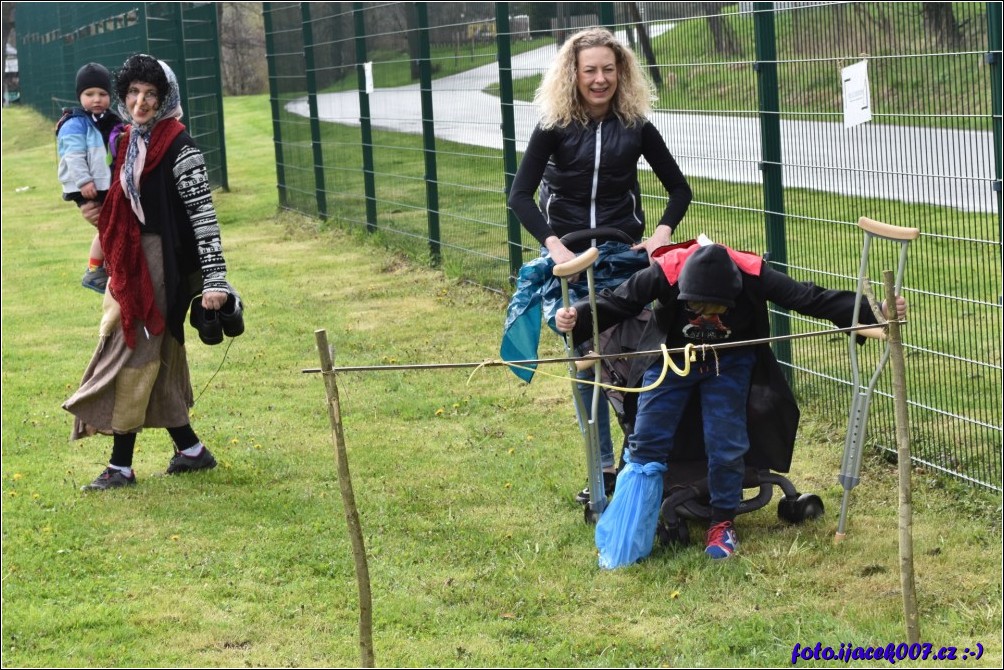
(125, 390)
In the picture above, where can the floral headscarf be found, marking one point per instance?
(139, 137)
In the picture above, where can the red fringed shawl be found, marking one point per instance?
(119, 230)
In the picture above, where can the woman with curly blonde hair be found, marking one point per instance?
(556, 97)
(582, 161)
(583, 154)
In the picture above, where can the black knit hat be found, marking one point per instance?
(93, 75)
(710, 275)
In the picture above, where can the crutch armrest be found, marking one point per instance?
(887, 230)
(577, 264)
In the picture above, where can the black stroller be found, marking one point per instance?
(772, 415)
(772, 420)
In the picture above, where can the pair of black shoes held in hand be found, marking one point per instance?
(213, 324)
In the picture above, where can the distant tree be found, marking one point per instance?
(541, 13)
(939, 19)
(724, 38)
(242, 47)
(646, 44)
(414, 51)
(8, 20)
(333, 28)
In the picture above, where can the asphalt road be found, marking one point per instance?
(910, 164)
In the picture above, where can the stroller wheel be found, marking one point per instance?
(678, 535)
(803, 508)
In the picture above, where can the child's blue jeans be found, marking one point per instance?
(723, 385)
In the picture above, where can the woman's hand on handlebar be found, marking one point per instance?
(558, 251)
(660, 238)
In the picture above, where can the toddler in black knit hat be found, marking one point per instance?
(82, 135)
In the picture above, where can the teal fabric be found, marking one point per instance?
(538, 297)
(521, 332)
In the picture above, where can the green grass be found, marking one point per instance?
(477, 554)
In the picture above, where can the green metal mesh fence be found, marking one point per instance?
(406, 120)
(56, 38)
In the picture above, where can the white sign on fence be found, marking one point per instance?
(857, 98)
(368, 73)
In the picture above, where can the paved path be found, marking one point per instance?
(912, 164)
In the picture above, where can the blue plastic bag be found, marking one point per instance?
(538, 296)
(626, 529)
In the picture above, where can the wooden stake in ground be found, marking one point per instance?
(349, 503)
(898, 362)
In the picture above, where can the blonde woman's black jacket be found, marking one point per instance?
(587, 176)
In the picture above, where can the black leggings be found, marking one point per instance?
(124, 444)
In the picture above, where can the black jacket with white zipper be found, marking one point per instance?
(588, 177)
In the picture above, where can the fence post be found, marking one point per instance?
(503, 37)
(352, 522)
(365, 128)
(607, 18)
(428, 132)
(273, 99)
(770, 163)
(224, 179)
(307, 28)
(181, 66)
(994, 60)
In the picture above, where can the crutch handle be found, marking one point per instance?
(577, 264)
(887, 230)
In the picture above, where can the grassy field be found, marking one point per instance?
(477, 553)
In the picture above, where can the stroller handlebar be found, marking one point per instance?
(575, 239)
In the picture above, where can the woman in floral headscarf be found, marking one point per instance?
(162, 245)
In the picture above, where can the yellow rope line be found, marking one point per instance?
(489, 361)
(667, 364)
